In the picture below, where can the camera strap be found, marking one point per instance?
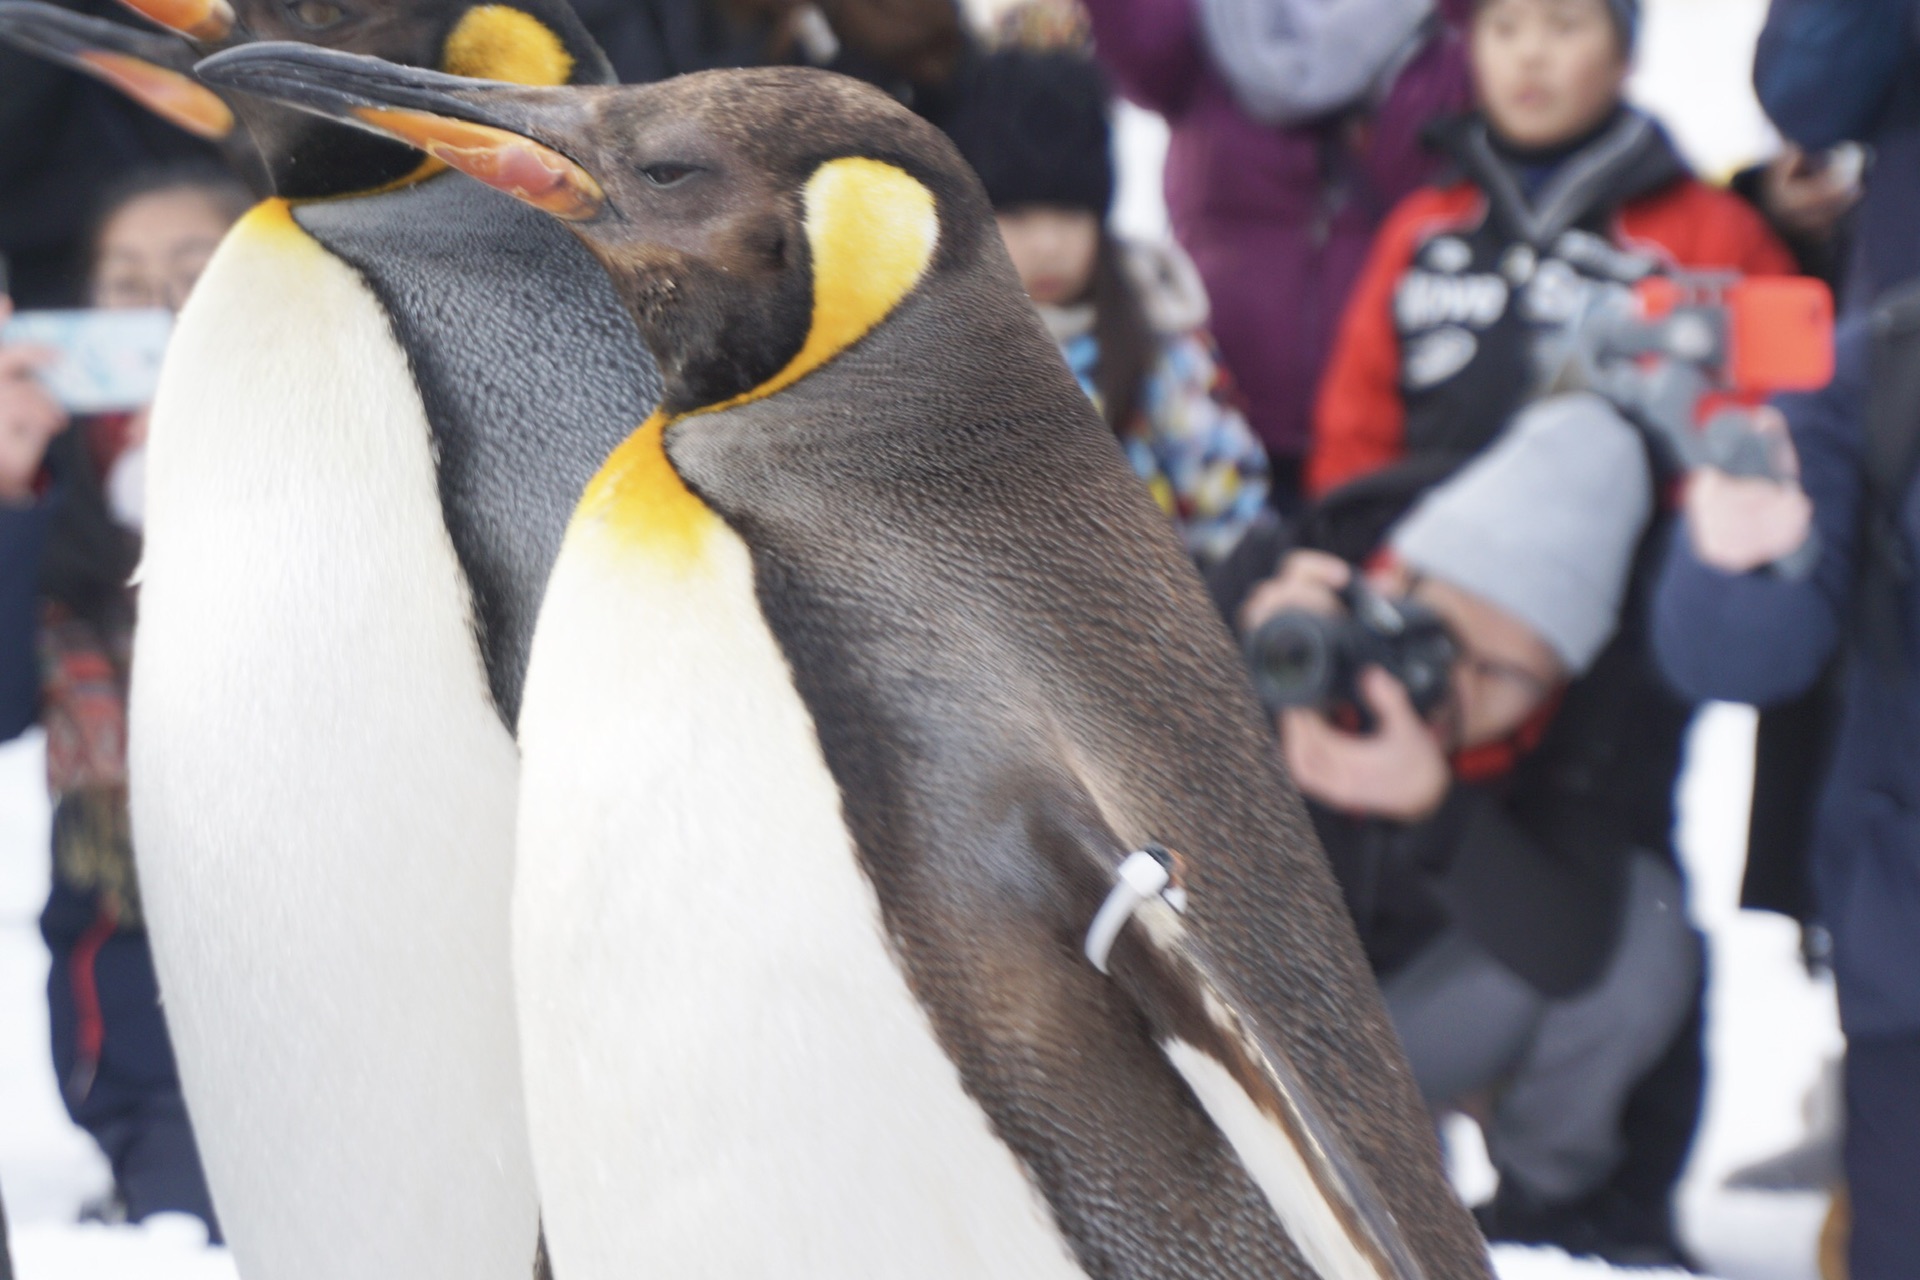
(1146, 873)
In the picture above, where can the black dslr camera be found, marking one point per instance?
(1302, 659)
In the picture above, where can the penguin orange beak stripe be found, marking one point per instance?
(166, 93)
(518, 166)
(206, 20)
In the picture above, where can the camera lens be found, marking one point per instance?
(1291, 660)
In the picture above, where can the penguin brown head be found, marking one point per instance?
(756, 222)
(536, 42)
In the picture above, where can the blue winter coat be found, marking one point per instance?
(1831, 71)
(1759, 638)
(23, 539)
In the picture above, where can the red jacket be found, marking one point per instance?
(1360, 415)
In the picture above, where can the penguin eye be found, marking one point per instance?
(316, 14)
(667, 175)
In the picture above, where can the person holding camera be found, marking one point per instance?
(1727, 624)
(1472, 282)
(1533, 949)
(1467, 312)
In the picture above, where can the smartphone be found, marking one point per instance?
(1779, 329)
(109, 360)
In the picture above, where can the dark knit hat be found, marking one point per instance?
(1626, 20)
(1034, 126)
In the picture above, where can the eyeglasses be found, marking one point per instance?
(1487, 667)
(1532, 683)
(153, 278)
(120, 291)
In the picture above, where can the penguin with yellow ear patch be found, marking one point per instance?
(378, 411)
(153, 69)
(869, 699)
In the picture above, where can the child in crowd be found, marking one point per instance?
(1454, 323)
(1130, 320)
(1536, 962)
(82, 507)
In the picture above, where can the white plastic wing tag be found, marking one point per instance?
(1145, 874)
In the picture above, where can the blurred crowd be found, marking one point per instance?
(1483, 585)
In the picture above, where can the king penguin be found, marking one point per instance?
(867, 683)
(152, 68)
(377, 413)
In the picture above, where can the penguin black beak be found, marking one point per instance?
(154, 70)
(209, 21)
(480, 127)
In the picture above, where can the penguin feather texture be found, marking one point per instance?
(311, 883)
(761, 1055)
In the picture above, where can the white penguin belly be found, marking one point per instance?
(727, 1074)
(323, 795)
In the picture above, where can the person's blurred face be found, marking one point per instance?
(1546, 71)
(154, 247)
(1053, 248)
(1506, 670)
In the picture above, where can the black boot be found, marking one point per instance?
(1604, 1225)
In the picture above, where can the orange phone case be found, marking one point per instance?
(1779, 328)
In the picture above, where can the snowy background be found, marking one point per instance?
(1770, 1027)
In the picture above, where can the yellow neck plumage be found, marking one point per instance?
(872, 230)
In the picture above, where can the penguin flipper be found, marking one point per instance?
(1245, 1081)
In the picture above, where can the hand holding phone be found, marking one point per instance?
(99, 361)
(1809, 193)
(1741, 522)
(29, 415)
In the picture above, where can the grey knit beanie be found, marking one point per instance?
(1543, 524)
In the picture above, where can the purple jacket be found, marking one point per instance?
(1278, 220)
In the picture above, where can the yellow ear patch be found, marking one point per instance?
(519, 166)
(165, 92)
(499, 42)
(871, 229)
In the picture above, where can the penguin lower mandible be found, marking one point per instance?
(377, 413)
(869, 699)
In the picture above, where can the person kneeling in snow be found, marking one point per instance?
(1535, 957)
